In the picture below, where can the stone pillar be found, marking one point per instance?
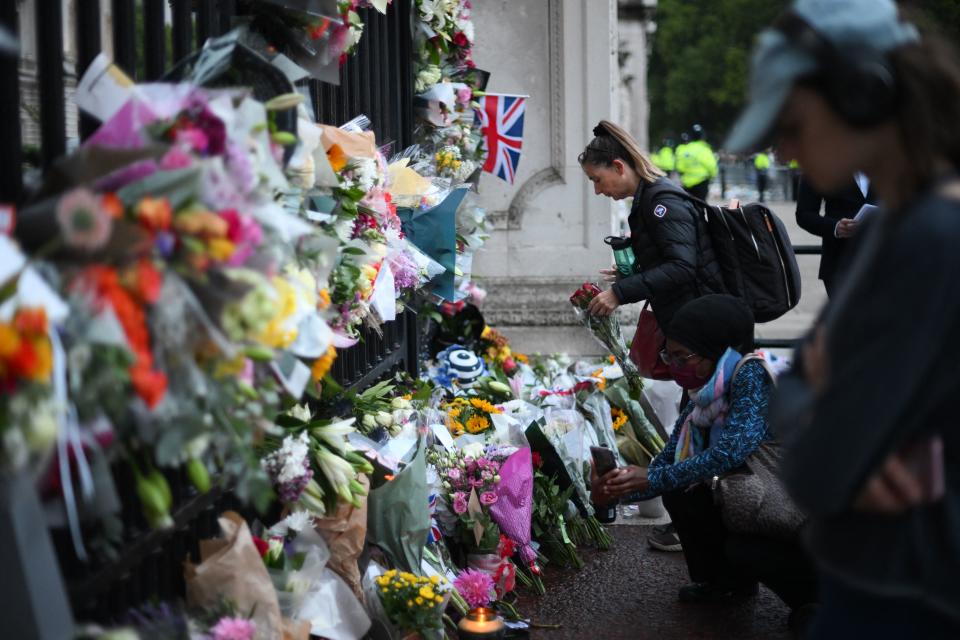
(549, 225)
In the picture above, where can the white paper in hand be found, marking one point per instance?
(865, 210)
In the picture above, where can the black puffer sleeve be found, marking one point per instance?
(671, 225)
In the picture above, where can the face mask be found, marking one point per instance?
(687, 377)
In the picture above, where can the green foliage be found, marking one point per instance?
(699, 67)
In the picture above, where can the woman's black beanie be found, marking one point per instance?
(710, 324)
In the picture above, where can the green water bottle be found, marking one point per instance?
(622, 254)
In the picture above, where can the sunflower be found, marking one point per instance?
(483, 405)
(476, 424)
(619, 418)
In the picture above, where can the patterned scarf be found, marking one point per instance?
(709, 410)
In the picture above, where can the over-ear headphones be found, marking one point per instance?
(858, 83)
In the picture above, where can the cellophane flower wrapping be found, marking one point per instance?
(607, 331)
(514, 508)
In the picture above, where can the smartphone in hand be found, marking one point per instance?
(603, 460)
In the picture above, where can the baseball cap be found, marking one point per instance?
(777, 63)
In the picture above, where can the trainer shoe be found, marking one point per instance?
(665, 538)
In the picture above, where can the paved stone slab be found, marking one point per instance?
(630, 592)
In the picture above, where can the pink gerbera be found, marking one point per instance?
(475, 587)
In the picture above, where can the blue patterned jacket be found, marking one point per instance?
(742, 432)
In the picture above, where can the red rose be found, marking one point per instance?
(460, 39)
(261, 545)
(537, 460)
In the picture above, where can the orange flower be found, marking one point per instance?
(337, 158)
(150, 385)
(44, 360)
(112, 205)
(26, 361)
(324, 302)
(154, 213)
(201, 223)
(9, 341)
(521, 357)
(220, 249)
(148, 281)
(321, 366)
(32, 321)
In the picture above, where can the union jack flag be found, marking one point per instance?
(501, 121)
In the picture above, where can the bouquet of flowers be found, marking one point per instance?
(551, 510)
(470, 486)
(313, 465)
(469, 414)
(28, 411)
(606, 329)
(413, 603)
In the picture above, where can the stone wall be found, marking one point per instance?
(549, 225)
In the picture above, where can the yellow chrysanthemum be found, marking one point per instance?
(486, 333)
(435, 580)
(321, 366)
(427, 593)
(476, 424)
(418, 600)
(619, 418)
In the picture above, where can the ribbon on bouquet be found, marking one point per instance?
(69, 441)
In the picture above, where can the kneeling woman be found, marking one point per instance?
(724, 422)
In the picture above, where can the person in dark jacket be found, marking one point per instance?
(675, 262)
(870, 418)
(836, 226)
(723, 424)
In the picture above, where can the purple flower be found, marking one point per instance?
(459, 503)
(165, 242)
(233, 629)
(487, 498)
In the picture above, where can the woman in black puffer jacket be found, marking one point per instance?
(675, 262)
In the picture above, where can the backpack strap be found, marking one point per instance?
(755, 357)
(651, 191)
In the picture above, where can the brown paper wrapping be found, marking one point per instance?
(231, 569)
(354, 145)
(344, 533)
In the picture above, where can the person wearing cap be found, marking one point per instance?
(724, 422)
(696, 164)
(869, 417)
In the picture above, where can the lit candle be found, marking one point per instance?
(481, 623)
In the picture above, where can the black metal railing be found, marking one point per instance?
(377, 82)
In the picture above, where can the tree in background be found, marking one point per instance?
(700, 62)
(701, 56)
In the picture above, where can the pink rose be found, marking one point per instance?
(487, 498)
(453, 474)
(459, 503)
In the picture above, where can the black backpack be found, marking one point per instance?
(753, 250)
